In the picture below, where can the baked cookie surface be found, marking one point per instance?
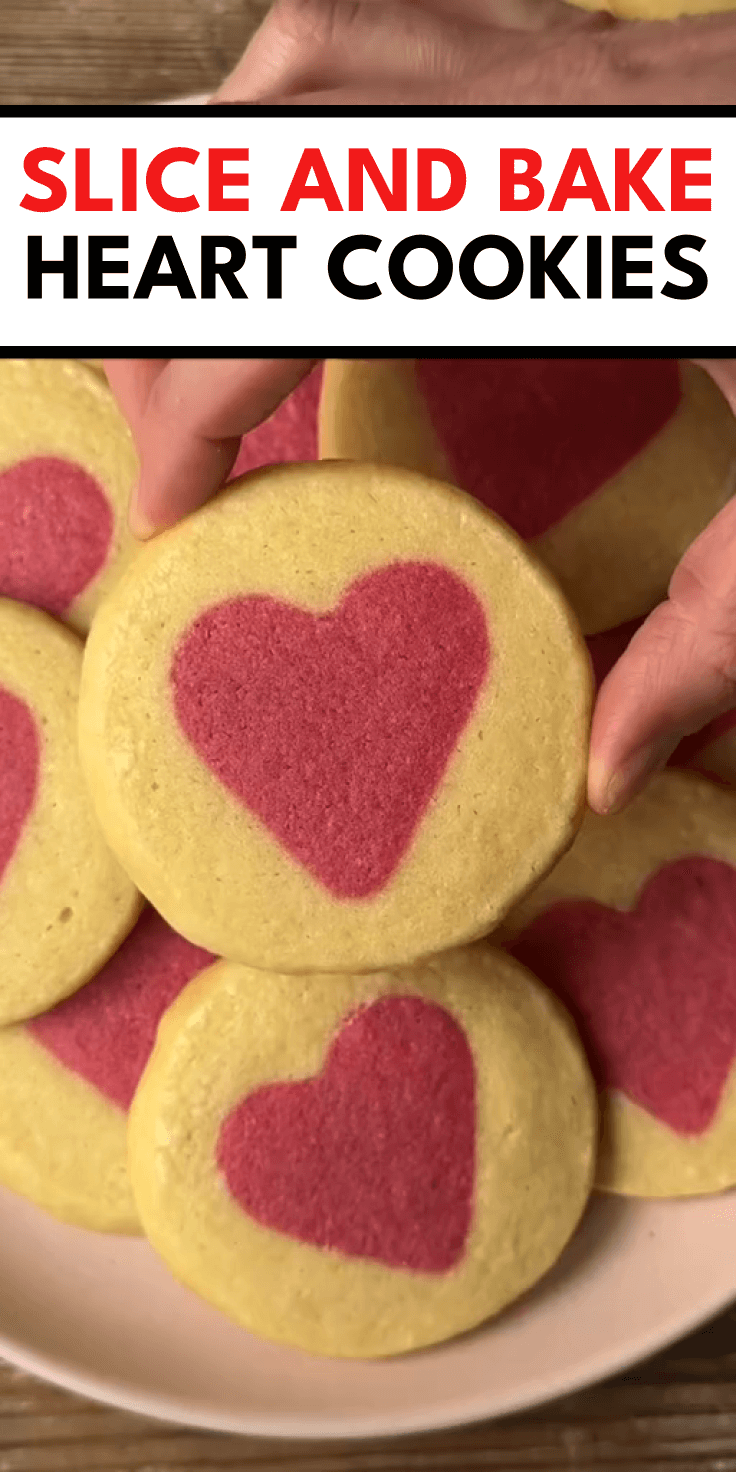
(361, 1165)
(67, 468)
(310, 720)
(67, 1079)
(65, 902)
(608, 467)
(635, 930)
(656, 9)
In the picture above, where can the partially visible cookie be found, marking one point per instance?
(608, 467)
(335, 720)
(362, 1165)
(67, 1079)
(67, 468)
(289, 434)
(635, 931)
(65, 902)
(656, 9)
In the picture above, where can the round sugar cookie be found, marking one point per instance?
(290, 434)
(335, 720)
(712, 750)
(608, 467)
(635, 930)
(67, 468)
(362, 1165)
(656, 9)
(67, 1079)
(65, 902)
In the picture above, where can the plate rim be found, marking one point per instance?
(168, 1410)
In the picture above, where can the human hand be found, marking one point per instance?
(456, 52)
(679, 671)
(187, 416)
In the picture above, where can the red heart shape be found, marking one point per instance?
(289, 434)
(376, 1156)
(55, 531)
(20, 757)
(106, 1031)
(653, 990)
(533, 437)
(335, 729)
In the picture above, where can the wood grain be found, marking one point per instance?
(676, 1413)
(94, 51)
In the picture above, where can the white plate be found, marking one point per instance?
(102, 1316)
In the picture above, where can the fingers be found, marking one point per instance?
(131, 380)
(188, 418)
(307, 46)
(723, 373)
(678, 673)
(690, 61)
(481, 51)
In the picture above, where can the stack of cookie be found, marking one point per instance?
(331, 726)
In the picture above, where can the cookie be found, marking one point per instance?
(361, 1165)
(635, 930)
(65, 902)
(608, 467)
(712, 750)
(290, 434)
(67, 1079)
(336, 719)
(656, 9)
(67, 467)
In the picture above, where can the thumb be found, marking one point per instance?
(723, 373)
(677, 674)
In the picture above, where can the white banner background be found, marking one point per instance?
(312, 313)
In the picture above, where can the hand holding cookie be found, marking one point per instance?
(677, 674)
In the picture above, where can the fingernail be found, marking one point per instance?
(623, 785)
(140, 525)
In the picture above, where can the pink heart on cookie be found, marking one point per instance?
(532, 438)
(105, 1031)
(335, 729)
(290, 434)
(375, 1157)
(56, 526)
(20, 755)
(653, 990)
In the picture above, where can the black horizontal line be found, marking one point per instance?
(179, 110)
(341, 351)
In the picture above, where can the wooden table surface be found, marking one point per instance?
(676, 1412)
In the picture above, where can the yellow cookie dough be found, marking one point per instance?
(656, 9)
(615, 552)
(67, 1079)
(307, 547)
(65, 902)
(234, 1031)
(62, 409)
(62, 1143)
(613, 862)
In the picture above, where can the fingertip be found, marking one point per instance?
(140, 525)
(611, 790)
(140, 522)
(599, 782)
